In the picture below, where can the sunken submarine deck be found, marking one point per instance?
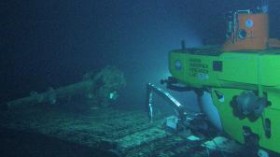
(122, 133)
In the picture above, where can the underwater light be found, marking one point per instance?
(113, 95)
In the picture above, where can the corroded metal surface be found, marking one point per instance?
(126, 133)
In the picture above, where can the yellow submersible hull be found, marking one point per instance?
(244, 86)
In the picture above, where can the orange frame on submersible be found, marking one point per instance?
(250, 32)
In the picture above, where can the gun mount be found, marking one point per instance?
(101, 88)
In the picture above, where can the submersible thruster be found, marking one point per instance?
(241, 78)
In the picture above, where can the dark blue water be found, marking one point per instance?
(54, 43)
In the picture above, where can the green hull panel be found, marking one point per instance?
(231, 73)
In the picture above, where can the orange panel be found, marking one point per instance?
(251, 33)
